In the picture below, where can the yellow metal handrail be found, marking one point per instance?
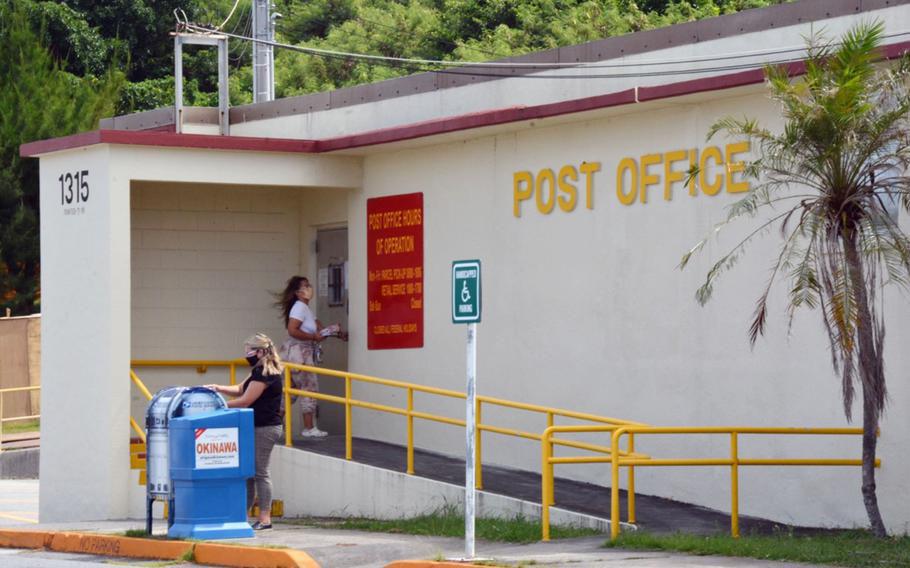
(408, 412)
(4, 419)
(630, 459)
(617, 428)
(201, 367)
(349, 403)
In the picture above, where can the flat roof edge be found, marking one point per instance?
(166, 140)
(424, 129)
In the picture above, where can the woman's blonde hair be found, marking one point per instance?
(271, 363)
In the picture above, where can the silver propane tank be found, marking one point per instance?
(156, 443)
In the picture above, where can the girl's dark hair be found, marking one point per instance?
(284, 301)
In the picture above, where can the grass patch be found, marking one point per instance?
(449, 522)
(189, 555)
(140, 533)
(21, 426)
(847, 548)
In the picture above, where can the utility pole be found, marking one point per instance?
(263, 54)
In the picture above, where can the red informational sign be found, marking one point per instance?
(395, 271)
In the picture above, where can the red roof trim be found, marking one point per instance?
(702, 85)
(420, 129)
(167, 140)
(30, 149)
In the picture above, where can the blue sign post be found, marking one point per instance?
(466, 309)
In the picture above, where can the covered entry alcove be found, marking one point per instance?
(159, 245)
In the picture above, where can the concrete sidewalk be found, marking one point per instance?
(335, 548)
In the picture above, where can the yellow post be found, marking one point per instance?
(734, 485)
(233, 371)
(614, 484)
(552, 492)
(410, 431)
(348, 434)
(288, 410)
(545, 466)
(478, 471)
(630, 496)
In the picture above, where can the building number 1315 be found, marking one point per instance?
(74, 186)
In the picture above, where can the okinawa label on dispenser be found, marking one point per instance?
(217, 448)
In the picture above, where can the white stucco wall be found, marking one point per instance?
(86, 289)
(587, 311)
(85, 339)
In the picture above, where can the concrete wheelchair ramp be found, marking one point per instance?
(314, 479)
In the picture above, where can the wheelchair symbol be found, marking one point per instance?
(465, 294)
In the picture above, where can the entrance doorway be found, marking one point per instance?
(332, 307)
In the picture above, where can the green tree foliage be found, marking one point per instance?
(78, 46)
(457, 30)
(142, 27)
(832, 181)
(56, 55)
(38, 99)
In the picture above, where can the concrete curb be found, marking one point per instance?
(232, 556)
(251, 557)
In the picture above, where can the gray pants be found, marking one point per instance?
(261, 484)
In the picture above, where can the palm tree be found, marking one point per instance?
(833, 180)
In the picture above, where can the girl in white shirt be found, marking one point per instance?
(301, 345)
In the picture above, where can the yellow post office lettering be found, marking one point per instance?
(522, 189)
(734, 166)
(567, 202)
(627, 165)
(589, 169)
(672, 176)
(710, 153)
(693, 164)
(545, 203)
(647, 179)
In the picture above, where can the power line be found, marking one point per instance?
(236, 2)
(493, 65)
(435, 64)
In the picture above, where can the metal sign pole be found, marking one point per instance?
(470, 423)
(466, 291)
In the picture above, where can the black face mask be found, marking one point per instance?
(252, 360)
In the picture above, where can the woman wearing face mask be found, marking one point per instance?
(304, 334)
(261, 391)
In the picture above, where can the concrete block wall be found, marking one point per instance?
(205, 259)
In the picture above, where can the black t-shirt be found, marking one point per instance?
(267, 409)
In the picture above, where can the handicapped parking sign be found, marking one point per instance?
(466, 291)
